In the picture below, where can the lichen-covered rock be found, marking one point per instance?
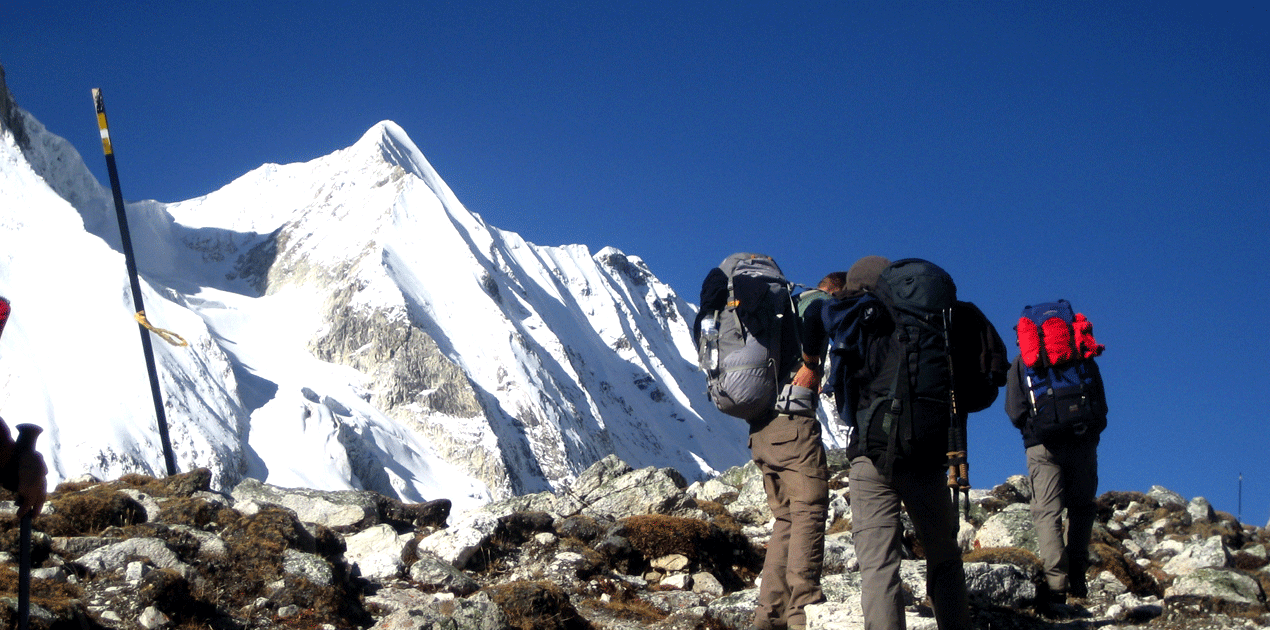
(347, 509)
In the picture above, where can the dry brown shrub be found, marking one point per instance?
(252, 567)
(63, 599)
(719, 516)
(1248, 562)
(194, 512)
(254, 550)
(88, 512)
(144, 483)
(1134, 577)
(1226, 526)
(168, 591)
(656, 535)
(728, 555)
(179, 485)
(1016, 556)
(842, 524)
(631, 609)
(1114, 500)
(537, 606)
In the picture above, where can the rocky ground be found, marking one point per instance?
(620, 549)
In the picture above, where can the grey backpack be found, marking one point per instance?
(746, 347)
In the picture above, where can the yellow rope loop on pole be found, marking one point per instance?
(166, 335)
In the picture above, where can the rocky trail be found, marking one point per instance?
(621, 549)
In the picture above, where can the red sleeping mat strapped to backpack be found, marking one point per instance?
(1056, 341)
(5, 309)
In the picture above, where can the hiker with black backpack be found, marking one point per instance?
(747, 335)
(1055, 397)
(909, 362)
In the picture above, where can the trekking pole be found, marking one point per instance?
(27, 433)
(25, 444)
(958, 466)
(126, 241)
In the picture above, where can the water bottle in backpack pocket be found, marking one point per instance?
(708, 353)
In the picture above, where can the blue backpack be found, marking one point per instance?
(1065, 392)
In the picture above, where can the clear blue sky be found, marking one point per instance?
(1114, 154)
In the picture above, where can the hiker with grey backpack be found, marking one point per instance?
(748, 337)
(1055, 397)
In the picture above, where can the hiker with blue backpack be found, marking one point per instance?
(1055, 397)
(909, 363)
(748, 338)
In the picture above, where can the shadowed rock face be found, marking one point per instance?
(9, 118)
(411, 380)
(409, 374)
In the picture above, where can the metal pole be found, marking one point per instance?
(130, 259)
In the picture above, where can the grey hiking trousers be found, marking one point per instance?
(790, 455)
(876, 528)
(1064, 476)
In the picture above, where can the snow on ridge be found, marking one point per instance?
(576, 355)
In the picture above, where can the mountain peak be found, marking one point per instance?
(389, 142)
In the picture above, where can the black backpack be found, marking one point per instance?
(926, 359)
(1065, 393)
(747, 342)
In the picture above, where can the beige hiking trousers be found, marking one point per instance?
(789, 453)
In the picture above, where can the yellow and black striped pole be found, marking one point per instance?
(131, 261)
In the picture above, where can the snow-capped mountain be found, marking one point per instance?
(350, 325)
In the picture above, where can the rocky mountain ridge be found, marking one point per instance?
(618, 549)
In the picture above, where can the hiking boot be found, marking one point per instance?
(1050, 601)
